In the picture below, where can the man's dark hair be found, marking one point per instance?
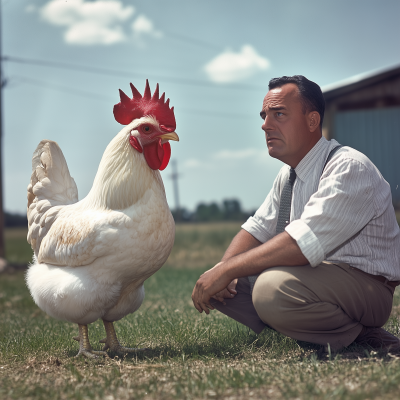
(310, 93)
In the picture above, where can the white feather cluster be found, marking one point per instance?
(92, 256)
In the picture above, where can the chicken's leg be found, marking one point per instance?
(111, 341)
(85, 349)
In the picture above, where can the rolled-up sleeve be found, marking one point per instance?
(263, 224)
(338, 210)
(307, 241)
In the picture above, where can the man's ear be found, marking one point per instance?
(313, 120)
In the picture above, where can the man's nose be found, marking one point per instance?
(266, 124)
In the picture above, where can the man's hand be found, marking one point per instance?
(228, 293)
(280, 250)
(209, 284)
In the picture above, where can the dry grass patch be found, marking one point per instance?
(300, 376)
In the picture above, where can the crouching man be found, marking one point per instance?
(320, 259)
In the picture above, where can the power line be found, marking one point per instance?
(62, 88)
(113, 72)
(96, 96)
(174, 176)
(191, 40)
(2, 85)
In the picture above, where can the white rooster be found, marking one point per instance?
(91, 257)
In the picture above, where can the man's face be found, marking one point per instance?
(286, 127)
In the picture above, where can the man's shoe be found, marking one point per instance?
(378, 339)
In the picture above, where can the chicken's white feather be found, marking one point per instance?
(93, 256)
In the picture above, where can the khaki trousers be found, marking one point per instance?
(241, 307)
(327, 304)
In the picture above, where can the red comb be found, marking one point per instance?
(129, 109)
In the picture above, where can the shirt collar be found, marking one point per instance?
(312, 159)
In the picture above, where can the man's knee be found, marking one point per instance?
(267, 297)
(278, 297)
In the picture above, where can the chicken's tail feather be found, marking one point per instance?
(51, 186)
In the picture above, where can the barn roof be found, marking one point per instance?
(360, 81)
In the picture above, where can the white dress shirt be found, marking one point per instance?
(344, 215)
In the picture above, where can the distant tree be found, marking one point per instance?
(229, 210)
(12, 220)
(208, 212)
(182, 215)
(232, 210)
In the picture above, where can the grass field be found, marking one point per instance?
(196, 245)
(18, 251)
(191, 356)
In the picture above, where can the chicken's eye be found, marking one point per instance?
(146, 129)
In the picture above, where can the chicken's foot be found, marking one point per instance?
(111, 341)
(85, 348)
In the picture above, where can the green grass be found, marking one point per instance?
(202, 244)
(196, 245)
(18, 251)
(191, 356)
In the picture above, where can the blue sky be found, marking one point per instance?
(212, 58)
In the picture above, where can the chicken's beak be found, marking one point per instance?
(170, 136)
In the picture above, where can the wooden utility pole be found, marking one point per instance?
(174, 176)
(2, 85)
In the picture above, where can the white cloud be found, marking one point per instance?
(192, 163)
(232, 67)
(30, 8)
(224, 157)
(87, 23)
(259, 156)
(236, 154)
(144, 26)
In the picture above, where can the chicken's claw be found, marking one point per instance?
(85, 348)
(111, 341)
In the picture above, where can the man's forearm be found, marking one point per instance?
(281, 250)
(241, 243)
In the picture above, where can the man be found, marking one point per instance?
(325, 241)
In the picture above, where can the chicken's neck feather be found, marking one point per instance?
(123, 176)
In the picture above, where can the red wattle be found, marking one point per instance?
(154, 154)
(167, 156)
(135, 144)
(160, 151)
(157, 155)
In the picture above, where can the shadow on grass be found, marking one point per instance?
(270, 343)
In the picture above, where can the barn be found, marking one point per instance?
(363, 112)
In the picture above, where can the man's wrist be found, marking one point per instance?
(227, 269)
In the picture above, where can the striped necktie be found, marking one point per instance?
(286, 203)
(283, 214)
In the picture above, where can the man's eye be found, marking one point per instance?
(279, 114)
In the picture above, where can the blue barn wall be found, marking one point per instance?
(376, 133)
